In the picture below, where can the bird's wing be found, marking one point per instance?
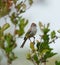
(28, 34)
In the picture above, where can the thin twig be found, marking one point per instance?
(33, 61)
(54, 39)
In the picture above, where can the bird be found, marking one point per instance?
(30, 33)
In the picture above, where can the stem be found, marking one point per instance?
(33, 61)
(53, 40)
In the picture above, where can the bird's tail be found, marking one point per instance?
(23, 43)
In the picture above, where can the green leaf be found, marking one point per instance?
(4, 10)
(45, 38)
(8, 38)
(49, 55)
(28, 56)
(44, 46)
(26, 22)
(18, 6)
(2, 43)
(38, 45)
(10, 41)
(46, 30)
(32, 46)
(30, 2)
(1, 33)
(36, 58)
(21, 25)
(8, 50)
(5, 26)
(44, 52)
(13, 18)
(53, 34)
(57, 62)
(21, 32)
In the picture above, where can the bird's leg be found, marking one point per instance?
(34, 40)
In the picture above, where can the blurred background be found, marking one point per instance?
(46, 11)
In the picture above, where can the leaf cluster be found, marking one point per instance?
(5, 6)
(20, 23)
(41, 51)
(57, 62)
(7, 43)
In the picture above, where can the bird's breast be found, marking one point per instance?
(34, 30)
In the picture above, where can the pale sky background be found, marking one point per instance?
(47, 12)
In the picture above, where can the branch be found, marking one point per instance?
(54, 40)
(33, 61)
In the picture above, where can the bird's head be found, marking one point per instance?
(33, 24)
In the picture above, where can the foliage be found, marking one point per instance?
(20, 22)
(30, 2)
(41, 51)
(2, 29)
(57, 62)
(5, 6)
(8, 41)
(10, 45)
